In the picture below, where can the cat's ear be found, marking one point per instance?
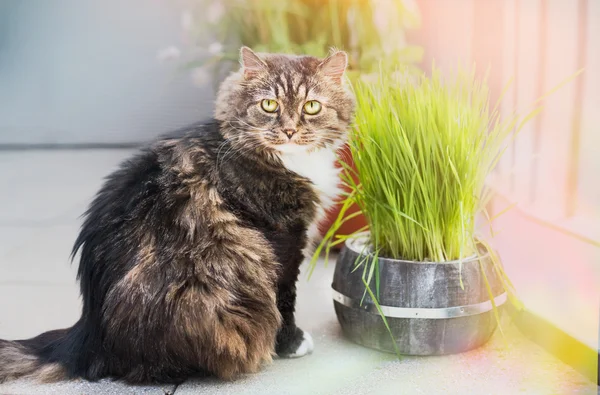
(251, 63)
(334, 66)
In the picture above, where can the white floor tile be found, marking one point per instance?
(80, 387)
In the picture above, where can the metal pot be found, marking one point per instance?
(426, 309)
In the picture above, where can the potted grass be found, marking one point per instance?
(417, 279)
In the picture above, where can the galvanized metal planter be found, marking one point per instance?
(425, 307)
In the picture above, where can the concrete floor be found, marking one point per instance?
(43, 195)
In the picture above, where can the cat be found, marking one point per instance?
(190, 252)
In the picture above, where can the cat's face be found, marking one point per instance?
(286, 104)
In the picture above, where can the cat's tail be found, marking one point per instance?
(31, 358)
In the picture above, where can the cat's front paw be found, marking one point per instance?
(306, 347)
(294, 345)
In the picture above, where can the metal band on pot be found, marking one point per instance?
(426, 313)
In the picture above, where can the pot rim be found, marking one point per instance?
(356, 244)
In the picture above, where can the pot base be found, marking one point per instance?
(416, 336)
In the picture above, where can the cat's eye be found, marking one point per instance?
(312, 107)
(269, 105)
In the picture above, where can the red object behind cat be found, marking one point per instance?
(353, 224)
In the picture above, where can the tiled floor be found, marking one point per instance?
(43, 194)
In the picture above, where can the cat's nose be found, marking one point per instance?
(289, 133)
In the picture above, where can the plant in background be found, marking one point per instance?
(422, 160)
(370, 30)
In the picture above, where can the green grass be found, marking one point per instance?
(423, 149)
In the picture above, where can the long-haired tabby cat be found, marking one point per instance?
(191, 250)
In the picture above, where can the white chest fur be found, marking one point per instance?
(319, 168)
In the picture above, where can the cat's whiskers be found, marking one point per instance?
(245, 136)
(221, 146)
(229, 149)
(239, 152)
(244, 147)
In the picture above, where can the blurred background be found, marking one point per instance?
(80, 81)
(75, 72)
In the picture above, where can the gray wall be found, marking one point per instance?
(82, 71)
